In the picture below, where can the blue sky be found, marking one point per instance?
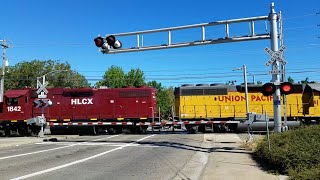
(64, 30)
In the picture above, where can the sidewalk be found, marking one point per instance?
(228, 160)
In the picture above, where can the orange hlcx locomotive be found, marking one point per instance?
(111, 109)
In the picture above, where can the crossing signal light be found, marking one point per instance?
(106, 44)
(113, 42)
(268, 89)
(286, 88)
(42, 103)
(99, 41)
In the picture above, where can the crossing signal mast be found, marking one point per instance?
(111, 45)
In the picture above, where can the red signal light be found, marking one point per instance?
(98, 41)
(268, 89)
(286, 88)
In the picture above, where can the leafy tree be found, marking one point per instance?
(114, 77)
(135, 77)
(165, 98)
(24, 74)
(290, 80)
(154, 84)
(259, 82)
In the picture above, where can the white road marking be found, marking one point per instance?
(36, 152)
(78, 161)
(95, 144)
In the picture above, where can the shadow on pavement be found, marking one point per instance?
(226, 149)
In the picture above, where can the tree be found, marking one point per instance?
(135, 77)
(165, 98)
(24, 74)
(259, 82)
(114, 77)
(155, 84)
(290, 80)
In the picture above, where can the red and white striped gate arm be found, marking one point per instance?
(88, 123)
(186, 122)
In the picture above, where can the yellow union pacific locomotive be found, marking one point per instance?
(227, 102)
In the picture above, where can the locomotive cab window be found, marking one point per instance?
(12, 102)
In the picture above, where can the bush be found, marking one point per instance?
(295, 152)
(310, 174)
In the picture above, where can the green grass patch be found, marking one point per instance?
(295, 152)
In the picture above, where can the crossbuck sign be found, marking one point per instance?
(42, 91)
(276, 56)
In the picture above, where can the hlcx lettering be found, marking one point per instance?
(81, 101)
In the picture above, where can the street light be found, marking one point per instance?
(244, 68)
(44, 76)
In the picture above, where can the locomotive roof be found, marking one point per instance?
(13, 93)
(219, 89)
(314, 86)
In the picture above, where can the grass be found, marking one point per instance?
(295, 152)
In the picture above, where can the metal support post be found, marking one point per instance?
(275, 66)
(246, 88)
(284, 97)
(246, 96)
(244, 68)
(4, 64)
(152, 119)
(41, 133)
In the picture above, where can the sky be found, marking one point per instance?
(64, 30)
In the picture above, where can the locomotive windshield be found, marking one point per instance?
(12, 101)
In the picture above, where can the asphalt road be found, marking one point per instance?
(149, 156)
(159, 156)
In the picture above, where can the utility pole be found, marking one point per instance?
(273, 17)
(245, 81)
(4, 65)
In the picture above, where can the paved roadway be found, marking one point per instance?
(150, 156)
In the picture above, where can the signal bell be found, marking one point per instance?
(268, 89)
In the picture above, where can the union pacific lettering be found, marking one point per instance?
(231, 98)
(81, 101)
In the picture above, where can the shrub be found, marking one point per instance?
(296, 152)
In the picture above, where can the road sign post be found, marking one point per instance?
(273, 17)
(42, 93)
